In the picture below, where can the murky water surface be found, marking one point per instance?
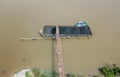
(24, 18)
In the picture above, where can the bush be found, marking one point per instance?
(110, 70)
(27, 74)
(70, 75)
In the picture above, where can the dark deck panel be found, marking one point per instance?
(72, 31)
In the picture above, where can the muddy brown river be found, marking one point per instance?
(24, 18)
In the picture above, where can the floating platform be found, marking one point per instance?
(66, 31)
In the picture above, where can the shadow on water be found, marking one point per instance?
(53, 57)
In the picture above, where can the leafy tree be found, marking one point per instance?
(110, 70)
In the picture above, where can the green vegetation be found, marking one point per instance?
(46, 73)
(43, 73)
(36, 72)
(70, 75)
(110, 70)
(49, 73)
(107, 70)
(27, 74)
